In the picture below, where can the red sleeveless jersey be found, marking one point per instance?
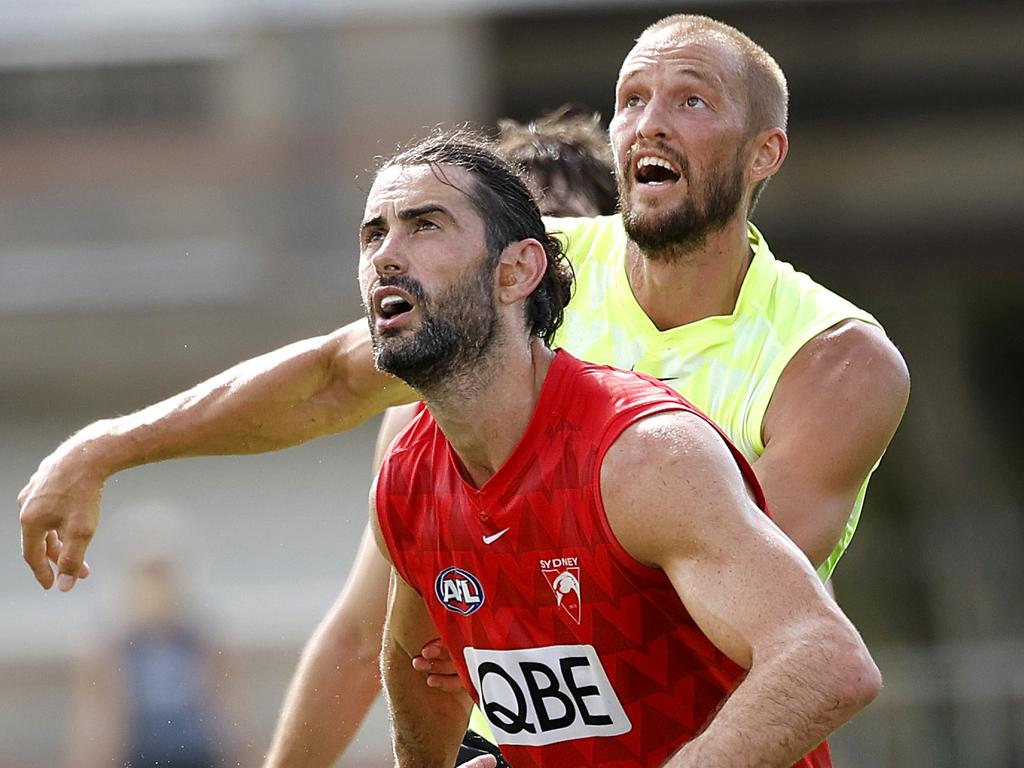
(578, 654)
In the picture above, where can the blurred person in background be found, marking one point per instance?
(680, 286)
(151, 694)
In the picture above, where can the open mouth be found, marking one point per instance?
(655, 171)
(393, 306)
(392, 303)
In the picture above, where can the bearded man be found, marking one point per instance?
(681, 286)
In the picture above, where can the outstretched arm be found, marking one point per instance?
(746, 585)
(338, 677)
(310, 388)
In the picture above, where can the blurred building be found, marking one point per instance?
(179, 188)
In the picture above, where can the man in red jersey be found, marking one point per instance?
(587, 544)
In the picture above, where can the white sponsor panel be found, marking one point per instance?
(546, 695)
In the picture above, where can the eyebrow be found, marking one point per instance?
(414, 213)
(697, 74)
(407, 214)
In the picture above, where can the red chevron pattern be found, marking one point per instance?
(621, 676)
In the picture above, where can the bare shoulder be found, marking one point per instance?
(851, 350)
(669, 474)
(852, 366)
(672, 438)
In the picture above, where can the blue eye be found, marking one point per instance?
(695, 101)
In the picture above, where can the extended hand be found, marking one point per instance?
(60, 508)
(436, 662)
(483, 761)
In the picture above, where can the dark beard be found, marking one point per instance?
(685, 229)
(457, 330)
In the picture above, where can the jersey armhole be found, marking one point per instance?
(386, 529)
(753, 422)
(614, 429)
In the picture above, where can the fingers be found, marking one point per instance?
(438, 667)
(435, 650)
(54, 547)
(483, 761)
(436, 663)
(71, 561)
(40, 549)
(446, 683)
(59, 513)
(33, 550)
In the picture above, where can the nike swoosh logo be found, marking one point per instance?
(495, 536)
(670, 378)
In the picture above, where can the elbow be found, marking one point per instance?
(357, 644)
(869, 681)
(858, 679)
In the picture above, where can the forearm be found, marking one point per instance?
(325, 705)
(787, 704)
(339, 674)
(283, 398)
(427, 724)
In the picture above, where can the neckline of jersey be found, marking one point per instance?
(497, 483)
(758, 275)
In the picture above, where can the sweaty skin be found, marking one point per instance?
(850, 380)
(672, 492)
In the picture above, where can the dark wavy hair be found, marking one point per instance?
(508, 210)
(567, 145)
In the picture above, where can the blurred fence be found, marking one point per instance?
(953, 706)
(958, 706)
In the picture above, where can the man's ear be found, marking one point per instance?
(769, 152)
(521, 267)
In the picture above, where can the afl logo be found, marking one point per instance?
(459, 591)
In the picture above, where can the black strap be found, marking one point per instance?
(474, 745)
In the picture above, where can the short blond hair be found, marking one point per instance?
(767, 94)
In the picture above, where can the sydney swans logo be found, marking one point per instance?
(563, 576)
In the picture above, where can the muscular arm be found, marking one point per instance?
(427, 723)
(748, 588)
(310, 388)
(339, 677)
(834, 411)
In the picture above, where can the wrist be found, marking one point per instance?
(102, 448)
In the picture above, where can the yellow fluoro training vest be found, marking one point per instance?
(728, 366)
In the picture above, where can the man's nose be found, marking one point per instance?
(653, 122)
(388, 260)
